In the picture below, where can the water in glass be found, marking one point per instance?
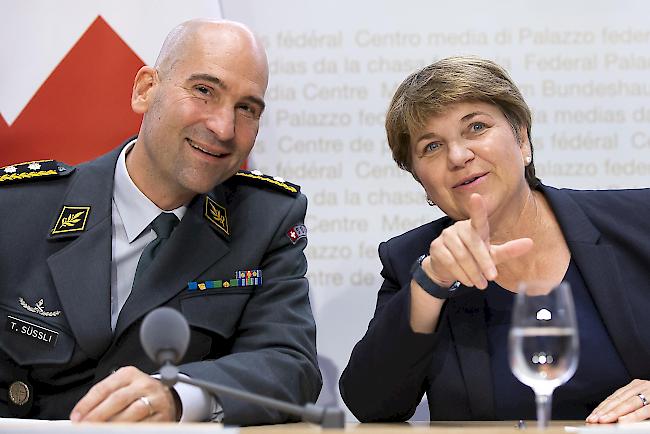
(543, 341)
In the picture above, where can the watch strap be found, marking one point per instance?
(433, 289)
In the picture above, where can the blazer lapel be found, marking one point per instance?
(192, 248)
(467, 320)
(599, 268)
(81, 270)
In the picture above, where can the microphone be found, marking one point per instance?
(165, 336)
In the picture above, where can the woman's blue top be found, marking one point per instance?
(600, 369)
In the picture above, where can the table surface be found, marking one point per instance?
(557, 427)
(399, 428)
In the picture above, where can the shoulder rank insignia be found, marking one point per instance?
(42, 169)
(216, 214)
(71, 219)
(256, 177)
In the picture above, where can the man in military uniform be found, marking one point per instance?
(164, 220)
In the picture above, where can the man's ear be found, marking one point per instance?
(145, 81)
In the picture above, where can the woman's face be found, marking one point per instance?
(470, 148)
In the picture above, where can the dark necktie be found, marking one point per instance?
(162, 226)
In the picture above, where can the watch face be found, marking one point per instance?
(417, 264)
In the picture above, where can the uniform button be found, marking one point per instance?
(19, 393)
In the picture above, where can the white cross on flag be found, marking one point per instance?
(68, 69)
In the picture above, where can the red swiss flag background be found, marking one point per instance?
(83, 108)
(68, 70)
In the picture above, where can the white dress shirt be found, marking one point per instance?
(132, 212)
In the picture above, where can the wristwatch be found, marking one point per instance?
(437, 291)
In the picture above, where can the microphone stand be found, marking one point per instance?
(326, 417)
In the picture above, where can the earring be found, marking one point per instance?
(528, 160)
(430, 202)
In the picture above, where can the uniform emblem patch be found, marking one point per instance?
(71, 219)
(25, 328)
(38, 308)
(242, 278)
(216, 214)
(297, 232)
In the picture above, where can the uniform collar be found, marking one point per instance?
(136, 210)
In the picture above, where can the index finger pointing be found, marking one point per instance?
(478, 216)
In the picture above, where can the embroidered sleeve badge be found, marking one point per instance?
(297, 232)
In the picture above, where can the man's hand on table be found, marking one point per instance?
(127, 395)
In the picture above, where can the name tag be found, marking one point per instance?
(39, 334)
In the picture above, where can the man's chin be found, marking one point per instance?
(207, 186)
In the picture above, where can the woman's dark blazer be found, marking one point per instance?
(608, 234)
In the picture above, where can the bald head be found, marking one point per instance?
(235, 41)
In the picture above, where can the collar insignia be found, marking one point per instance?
(216, 214)
(38, 308)
(71, 219)
(242, 278)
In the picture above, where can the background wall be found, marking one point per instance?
(584, 67)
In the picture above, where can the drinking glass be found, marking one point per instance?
(543, 341)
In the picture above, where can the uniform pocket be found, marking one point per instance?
(33, 341)
(216, 310)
